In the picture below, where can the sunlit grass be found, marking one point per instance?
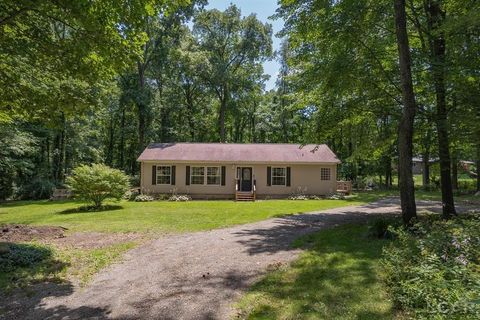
(159, 216)
(337, 277)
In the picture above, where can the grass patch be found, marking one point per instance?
(85, 263)
(337, 277)
(61, 265)
(159, 216)
(48, 268)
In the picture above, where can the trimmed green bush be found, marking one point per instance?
(433, 268)
(97, 183)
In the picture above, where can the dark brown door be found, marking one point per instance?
(246, 179)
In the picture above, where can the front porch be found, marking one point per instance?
(245, 184)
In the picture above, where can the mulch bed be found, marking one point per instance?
(24, 233)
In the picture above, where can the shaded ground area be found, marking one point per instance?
(194, 275)
(337, 277)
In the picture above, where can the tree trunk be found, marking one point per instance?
(253, 137)
(121, 162)
(478, 165)
(435, 17)
(221, 116)
(388, 171)
(111, 137)
(141, 107)
(191, 111)
(59, 153)
(426, 170)
(454, 170)
(405, 134)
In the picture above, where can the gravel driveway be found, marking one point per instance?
(192, 276)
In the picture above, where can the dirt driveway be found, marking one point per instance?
(190, 276)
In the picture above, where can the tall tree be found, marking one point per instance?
(435, 18)
(405, 129)
(230, 42)
(53, 52)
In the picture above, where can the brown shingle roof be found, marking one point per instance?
(238, 153)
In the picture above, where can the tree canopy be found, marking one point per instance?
(86, 82)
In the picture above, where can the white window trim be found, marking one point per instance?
(285, 176)
(192, 175)
(219, 175)
(329, 174)
(162, 175)
(205, 176)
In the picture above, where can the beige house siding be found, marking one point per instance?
(304, 177)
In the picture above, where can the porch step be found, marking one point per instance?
(244, 196)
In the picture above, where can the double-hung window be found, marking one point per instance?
(197, 175)
(164, 174)
(211, 176)
(214, 176)
(325, 174)
(279, 176)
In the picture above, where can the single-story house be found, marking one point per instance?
(240, 171)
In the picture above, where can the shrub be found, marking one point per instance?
(298, 197)
(179, 197)
(38, 188)
(380, 228)
(143, 198)
(163, 196)
(22, 255)
(98, 182)
(433, 268)
(467, 185)
(298, 194)
(336, 196)
(130, 195)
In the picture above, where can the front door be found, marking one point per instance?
(245, 179)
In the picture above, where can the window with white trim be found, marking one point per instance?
(197, 175)
(325, 174)
(214, 176)
(164, 174)
(279, 176)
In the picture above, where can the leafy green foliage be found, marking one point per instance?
(36, 189)
(233, 47)
(98, 182)
(56, 54)
(21, 256)
(380, 228)
(16, 150)
(433, 268)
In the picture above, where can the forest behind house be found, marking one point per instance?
(93, 82)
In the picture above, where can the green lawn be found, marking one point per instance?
(164, 216)
(337, 277)
(160, 216)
